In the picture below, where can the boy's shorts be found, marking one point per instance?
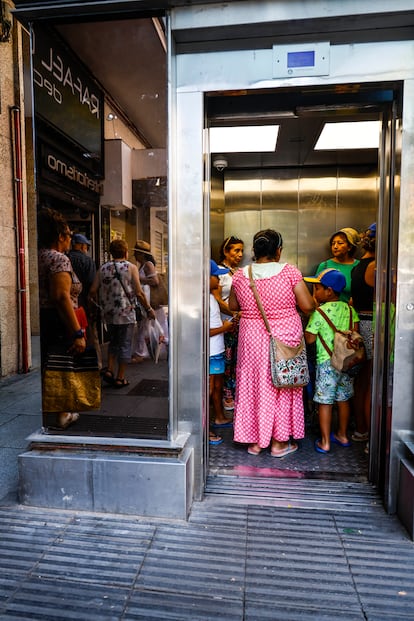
(217, 365)
(331, 385)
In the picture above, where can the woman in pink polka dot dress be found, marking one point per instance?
(265, 415)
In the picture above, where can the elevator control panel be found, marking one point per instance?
(305, 59)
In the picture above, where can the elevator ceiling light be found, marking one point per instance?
(349, 135)
(243, 139)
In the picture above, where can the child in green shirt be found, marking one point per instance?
(330, 385)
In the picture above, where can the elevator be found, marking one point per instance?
(306, 195)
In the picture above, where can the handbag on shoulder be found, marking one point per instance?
(159, 293)
(71, 383)
(288, 365)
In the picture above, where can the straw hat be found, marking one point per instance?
(142, 246)
(351, 234)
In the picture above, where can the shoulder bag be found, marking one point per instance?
(71, 383)
(140, 313)
(288, 365)
(159, 293)
(348, 352)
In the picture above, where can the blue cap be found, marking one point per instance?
(329, 278)
(372, 230)
(78, 238)
(215, 270)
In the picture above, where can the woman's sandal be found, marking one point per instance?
(108, 377)
(288, 450)
(121, 383)
(254, 449)
(65, 420)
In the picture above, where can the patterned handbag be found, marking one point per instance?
(288, 365)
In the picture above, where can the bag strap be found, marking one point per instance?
(331, 324)
(258, 300)
(118, 277)
(333, 327)
(328, 321)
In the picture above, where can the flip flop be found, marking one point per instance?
(252, 451)
(228, 425)
(319, 449)
(291, 448)
(215, 440)
(336, 441)
(121, 383)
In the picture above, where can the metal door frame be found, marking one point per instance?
(196, 75)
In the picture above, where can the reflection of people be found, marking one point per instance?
(148, 277)
(83, 265)
(217, 330)
(343, 246)
(59, 288)
(117, 284)
(264, 414)
(362, 289)
(231, 253)
(331, 385)
(85, 269)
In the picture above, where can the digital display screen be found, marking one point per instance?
(300, 59)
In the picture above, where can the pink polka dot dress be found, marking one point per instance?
(263, 412)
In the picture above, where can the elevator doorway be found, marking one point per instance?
(307, 194)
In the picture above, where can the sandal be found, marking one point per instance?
(65, 419)
(108, 377)
(254, 449)
(290, 448)
(214, 440)
(121, 383)
(357, 436)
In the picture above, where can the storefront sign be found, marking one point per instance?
(65, 95)
(63, 170)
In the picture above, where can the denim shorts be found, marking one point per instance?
(217, 364)
(120, 341)
(331, 385)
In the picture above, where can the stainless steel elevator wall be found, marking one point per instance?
(306, 205)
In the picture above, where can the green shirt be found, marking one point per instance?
(345, 269)
(338, 313)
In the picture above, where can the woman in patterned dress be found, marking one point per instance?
(265, 415)
(117, 286)
(59, 288)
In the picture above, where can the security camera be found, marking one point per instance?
(220, 164)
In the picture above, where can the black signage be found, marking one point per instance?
(66, 97)
(64, 172)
